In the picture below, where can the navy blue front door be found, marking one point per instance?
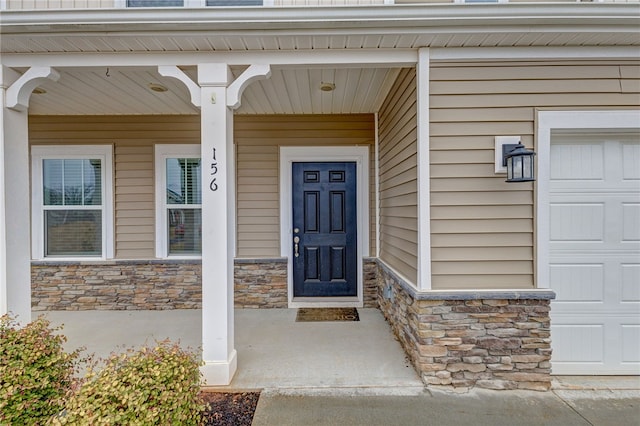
(324, 230)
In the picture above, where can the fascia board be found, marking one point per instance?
(305, 19)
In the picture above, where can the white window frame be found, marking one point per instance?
(162, 152)
(122, 4)
(71, 152)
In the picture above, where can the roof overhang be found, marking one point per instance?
(327, 21)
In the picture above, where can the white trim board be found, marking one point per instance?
(389, 58)
(357, 154)
(548, 121)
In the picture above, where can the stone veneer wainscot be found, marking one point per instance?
(461, 339)
(162, 284)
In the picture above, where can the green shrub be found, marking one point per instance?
(151, 386)
(35, 372)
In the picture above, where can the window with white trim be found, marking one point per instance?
(72, 201)
(190, 3)
(178, 201)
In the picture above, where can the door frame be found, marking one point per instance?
(294, 154)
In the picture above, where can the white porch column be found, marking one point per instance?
(424, 182)
(218, 225)
(15, 253)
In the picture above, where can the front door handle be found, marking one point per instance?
(296, 240)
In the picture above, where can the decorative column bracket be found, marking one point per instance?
(254, 73)
(19, 92)
(175, 72)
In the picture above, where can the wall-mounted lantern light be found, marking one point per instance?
(513, 159)
(519, 162)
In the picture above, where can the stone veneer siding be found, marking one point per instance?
(116, 285)
(260, 283)
(162, 284)
(461, 339)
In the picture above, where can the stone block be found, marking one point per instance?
(432, 350)
(463, 366)
(446, 341)
(426, 334)
(529, 358)
(495, 302)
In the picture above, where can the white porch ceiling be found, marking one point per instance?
(108, 90)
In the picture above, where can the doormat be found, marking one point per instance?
(327, 314)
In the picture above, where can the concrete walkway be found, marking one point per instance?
(562, 407)
(352, 373)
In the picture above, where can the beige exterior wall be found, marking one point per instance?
(482, 227)
(59, 4)
(258, 140)
(398, 177)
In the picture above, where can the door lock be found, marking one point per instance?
(296, 240)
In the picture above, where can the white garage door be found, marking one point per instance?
(595, 253)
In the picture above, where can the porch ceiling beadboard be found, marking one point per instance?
(125, 91)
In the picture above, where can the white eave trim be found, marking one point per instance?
(307, 20)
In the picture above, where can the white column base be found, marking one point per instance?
(219, 373)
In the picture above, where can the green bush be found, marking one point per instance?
(151, 386)
(35, 372)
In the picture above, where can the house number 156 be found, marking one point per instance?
(213, 186)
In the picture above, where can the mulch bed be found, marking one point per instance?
(230, 409)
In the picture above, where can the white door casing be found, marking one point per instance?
(357, 154)
(589, 238)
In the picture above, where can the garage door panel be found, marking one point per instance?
(577, 222)
(571, 341)
(595, 344)
(630, 284)
(577, 161)
(631, 161)
(577, 282)
(631, 222)
(630, 344)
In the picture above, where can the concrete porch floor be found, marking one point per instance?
(274, 351)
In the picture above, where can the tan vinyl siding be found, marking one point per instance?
(133, 139)
(258, 140)
(398, 177)
(483, 228)
(59, 4)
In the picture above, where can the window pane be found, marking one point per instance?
(234, 2)
(183, 181)
(52, 187)
(154, 3)
(72, 182)
(73, 232)
(185, 231)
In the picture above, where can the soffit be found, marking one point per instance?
(296, 28)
